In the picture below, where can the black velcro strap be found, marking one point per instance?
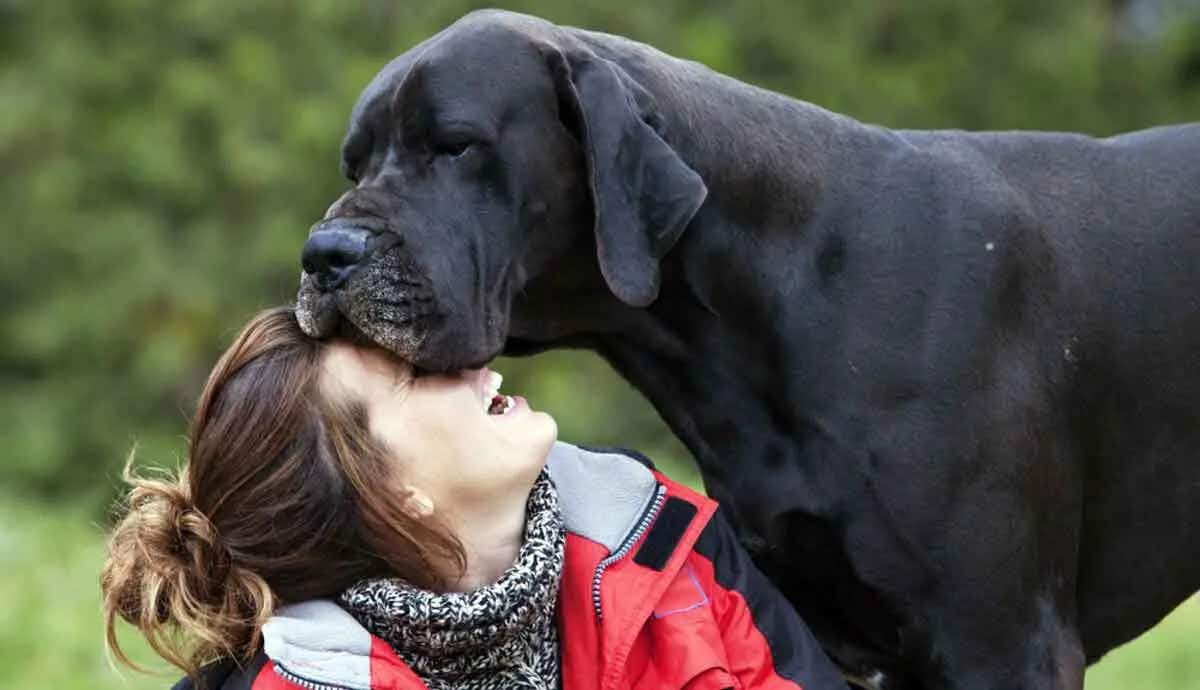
(672, 522)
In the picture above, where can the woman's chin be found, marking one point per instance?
(526, 429)
(550, 428)
(539, 434)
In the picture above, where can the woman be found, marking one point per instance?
(342, 523)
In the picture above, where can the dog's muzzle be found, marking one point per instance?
(333, 252)
(361, 283)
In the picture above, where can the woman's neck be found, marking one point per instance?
(491, 534)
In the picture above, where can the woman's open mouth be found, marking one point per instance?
(496, 403)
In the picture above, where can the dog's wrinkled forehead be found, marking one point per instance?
(477, 69)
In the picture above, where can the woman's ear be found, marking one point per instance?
(417, 504)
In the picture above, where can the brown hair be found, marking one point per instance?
(285, 497)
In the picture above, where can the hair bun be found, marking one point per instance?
(177, 539)
(168, 571)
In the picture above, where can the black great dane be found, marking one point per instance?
(946, 384)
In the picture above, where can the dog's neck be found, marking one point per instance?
(767, 162)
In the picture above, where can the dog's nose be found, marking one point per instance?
(331, 253)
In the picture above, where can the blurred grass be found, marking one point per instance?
(51, 630)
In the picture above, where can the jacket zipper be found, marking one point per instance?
(660, 496)
(305, 682)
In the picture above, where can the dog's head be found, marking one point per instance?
(480, 159)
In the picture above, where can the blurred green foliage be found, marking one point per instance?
(163, 161)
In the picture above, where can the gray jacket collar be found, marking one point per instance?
(602, 495)
(319, 643)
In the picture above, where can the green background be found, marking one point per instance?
(162, 161)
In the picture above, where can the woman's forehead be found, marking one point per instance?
(364, 370)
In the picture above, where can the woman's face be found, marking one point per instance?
(448, 433)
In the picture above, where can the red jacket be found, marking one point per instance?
(656, 593)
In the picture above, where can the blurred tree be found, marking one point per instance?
(164, 160)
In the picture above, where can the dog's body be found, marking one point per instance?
(945, 383)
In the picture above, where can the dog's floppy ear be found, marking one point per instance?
(643, 193)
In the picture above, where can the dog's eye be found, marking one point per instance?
(355, 152)
(453, 148)
(349, 171)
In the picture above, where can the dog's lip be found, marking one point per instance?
(348, 330)
(480, 364)
(483, 364)
(317, 313)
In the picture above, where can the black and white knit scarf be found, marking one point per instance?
(502, 635)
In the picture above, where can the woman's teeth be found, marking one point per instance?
(501, 405)
(497, 404)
